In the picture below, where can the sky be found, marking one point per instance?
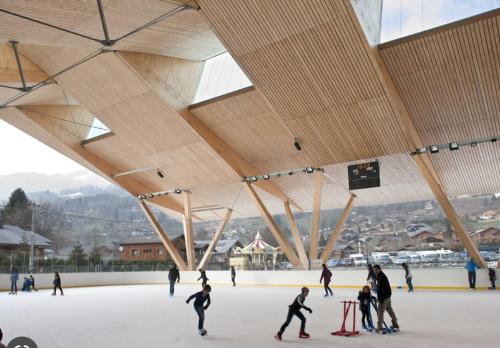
(21, 153)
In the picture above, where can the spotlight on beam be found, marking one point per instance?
(253, 178)
(473, 144)
(150, 195)
(421, 150)
(296, 143)
(309, 170)
(160, 174)
(266, 177)
(453, 146)
(178, 191)
(434, 149)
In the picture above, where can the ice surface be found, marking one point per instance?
(145, 316)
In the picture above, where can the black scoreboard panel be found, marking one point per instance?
(364, 175)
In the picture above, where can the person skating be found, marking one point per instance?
(26, 285)
(326, 277)
(471, 272)
(493, 277)
(365, 297)
(173, 276)
(408, 276)
(200, 307)
(294, 309)
(57, 283)
(203, 277)
(372, 278)
(32, 282)
(233, 275)
(14, 277)
(384, 294)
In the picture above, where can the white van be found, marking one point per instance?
(359, 259)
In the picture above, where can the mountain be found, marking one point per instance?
(37, 182)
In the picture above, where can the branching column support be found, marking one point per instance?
(188, 230)
(277, 234)
(215, 240)
(299, 245)
(327, 251)
(174, 253)
(315, 218)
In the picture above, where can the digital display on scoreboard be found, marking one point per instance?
(364, 175)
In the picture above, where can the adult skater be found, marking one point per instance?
(14, 277)
(294, 309)
(57, 283)
(372, 278)
(384, 293)
(326, 277)
(365, 297)
(408, 276)
(32, 283)
(471, 272)
(493, 277)
(233, 275)
(200, 307)
(1, 337)
(203, 277)
(173, 276)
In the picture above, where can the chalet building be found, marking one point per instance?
(14, 239)
(223, 250)
(486, 236)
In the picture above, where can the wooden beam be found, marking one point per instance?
(215, 240)
(413, 138)
(175, 81)
(450, 212)
(299, 245)
(315, 217)
(174, 253)
(188, 230)
(327, 251)
(277, 233)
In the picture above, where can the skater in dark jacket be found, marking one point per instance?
(294, 309)
(14, 277)
(365, 297)
(1, 337)
(173, 276)
(26, 285)
(57, 284)
(233, 275)
(326, 277)
(384, 294)
(200, 307)
(203, 277)
(493, 277)
(32, 281)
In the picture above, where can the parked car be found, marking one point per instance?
(402, 259)
(333, 263)
(347, 262)
(286, 265)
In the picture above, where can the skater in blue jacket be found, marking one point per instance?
(14, 277)
(365, 298)
(471, 272)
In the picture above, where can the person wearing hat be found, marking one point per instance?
(408, 276)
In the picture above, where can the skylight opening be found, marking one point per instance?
(98, 128)
(221, 75)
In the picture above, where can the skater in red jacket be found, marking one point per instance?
(294, 309)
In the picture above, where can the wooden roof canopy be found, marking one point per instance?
(316, 77)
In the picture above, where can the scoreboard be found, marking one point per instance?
(364, 175)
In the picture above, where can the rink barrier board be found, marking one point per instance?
(429, 279)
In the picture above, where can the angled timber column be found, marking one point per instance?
(277, 233)
(315, 218)
(174, 253)
(215, 240)
(299, 245)
(188, 230)
(412, 136)
(175, 80)
(327, 251)
(450, 212)
(29, 119)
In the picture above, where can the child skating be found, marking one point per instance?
(294, 309)
(365, 298)
(326, 277)
(203, 277)
(200, 307)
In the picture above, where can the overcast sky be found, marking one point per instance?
(21, 153)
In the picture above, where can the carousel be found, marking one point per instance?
(257, 255)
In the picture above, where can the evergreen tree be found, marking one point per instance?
(78, 256)
(95, 256)
(17, 210)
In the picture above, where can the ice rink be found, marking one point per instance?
(145, 316)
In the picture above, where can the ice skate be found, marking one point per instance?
(278, 336)
(203, 332)
(304, 335)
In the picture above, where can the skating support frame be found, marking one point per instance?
(343, 332)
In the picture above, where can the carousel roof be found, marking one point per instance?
(258, 246)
